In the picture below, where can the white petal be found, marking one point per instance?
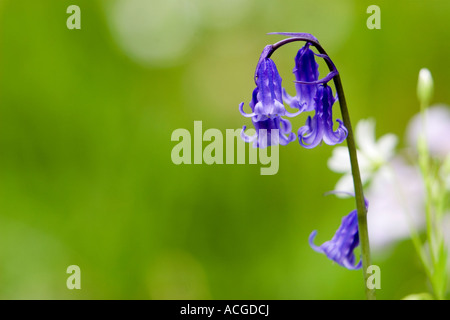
(365, 137)
(340, 160)
(386, 146)
(437, 130)
(365, 164)
(396, 200)
(345, 184)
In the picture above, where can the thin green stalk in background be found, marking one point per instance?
(437, 272)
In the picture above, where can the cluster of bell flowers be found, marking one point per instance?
(268, 117)
(312, 94)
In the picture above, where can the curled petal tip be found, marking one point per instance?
(311, 242)
(247, 115)
(245, 137)
(291, 115)
(350, 266)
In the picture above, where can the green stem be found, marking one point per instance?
(424, 163)
(433, 234)
(359, 195)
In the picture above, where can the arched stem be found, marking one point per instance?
(359, 195)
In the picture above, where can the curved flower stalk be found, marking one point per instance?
(266, 114)
(314, 94)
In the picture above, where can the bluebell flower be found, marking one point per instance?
(271, 131)
(320, 127)
(306, 70)
(340, 248)
(267, 98)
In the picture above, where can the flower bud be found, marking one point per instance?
(425, 86)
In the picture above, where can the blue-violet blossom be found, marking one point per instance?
(269, 132)
(340, 247)
(267, 107)
(320, 127)
(267, 98)
(312, 94)
(306, 70)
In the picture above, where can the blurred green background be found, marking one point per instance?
(86, 118)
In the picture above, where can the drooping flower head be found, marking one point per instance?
(340, 248)
(306, 70)
(312, 94)
(267, 107)
(320, 127)
(267, 98)
(271, 131)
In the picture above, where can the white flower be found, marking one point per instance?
(437, 130)
(396, 196)
(372, 155)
